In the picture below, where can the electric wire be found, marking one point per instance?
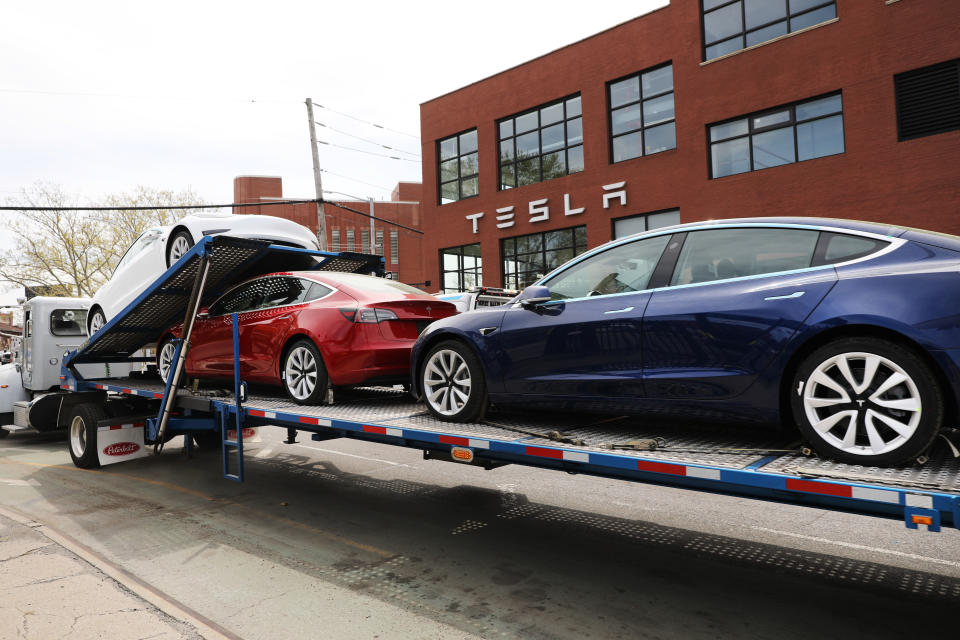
(373, 142)
(369, 153)
(372, 124)
(340, 175)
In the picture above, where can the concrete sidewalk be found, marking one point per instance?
(52, 587)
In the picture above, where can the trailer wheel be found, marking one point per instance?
(304, 376)
(453, 383)
(867, 401)
(83, 434)
(180, 243)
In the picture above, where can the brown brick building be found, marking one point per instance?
(348, 231)
(699, 110)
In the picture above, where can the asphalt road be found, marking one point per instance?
(345, 539)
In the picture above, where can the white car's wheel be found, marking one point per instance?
(96, 322)
(179, 244)
(867, 401)
(453, 383)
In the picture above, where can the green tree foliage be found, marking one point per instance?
(76, 251)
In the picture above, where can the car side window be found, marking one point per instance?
(243, 298)
(624, 268)
(316, 291)
(280, 292)
(146, 238)
(721, 254)
(839, 247)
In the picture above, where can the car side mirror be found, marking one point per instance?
(534, 295)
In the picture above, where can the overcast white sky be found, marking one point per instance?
(105, 95)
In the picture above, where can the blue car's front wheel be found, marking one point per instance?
(867, 401)
(453, 383)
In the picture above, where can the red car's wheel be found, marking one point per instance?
(304, 376)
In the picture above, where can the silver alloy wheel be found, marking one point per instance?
(78, 436)
(300, 373)
(179, 247)
(862, 404)
(97, 322)
(447, 382)
(165, 360)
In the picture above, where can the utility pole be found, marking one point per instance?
(373, 235)
(321, 214)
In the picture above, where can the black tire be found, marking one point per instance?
(175, 247)
(302, 366)
(445, 383)
(82, 434)
(166, 348)
(208, 440)
(855, 420)
(96, 319)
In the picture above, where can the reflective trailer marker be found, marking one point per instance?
(925, 520)
(461, 454)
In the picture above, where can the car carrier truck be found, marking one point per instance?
(114, 420)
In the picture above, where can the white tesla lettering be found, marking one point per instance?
(506, 218)
(620, 193)
(539, 211)
(567, 210)
(473, 217)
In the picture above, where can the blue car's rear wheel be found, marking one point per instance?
(867, 401)
(453, 383)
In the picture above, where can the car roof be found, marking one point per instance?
(357, 284)
(878, 228)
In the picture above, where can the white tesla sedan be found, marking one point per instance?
(159, 247)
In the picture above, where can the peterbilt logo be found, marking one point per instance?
(121, 449)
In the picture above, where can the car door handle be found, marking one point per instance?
(624, 310)
(791, 296)
(286, 317)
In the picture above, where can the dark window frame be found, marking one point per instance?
(461, 269)
(742, 34)
(791, 123)
(643, 98)
(565, 119)
(460, 177)
(504, 256)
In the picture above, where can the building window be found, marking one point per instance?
(630, 225)
(349, 246)
(379, 248)
(365, 241)
(335, 240)
(794, 133)
(394, 247)
(731, 26)
(461, 268)
(528, 258)
(641, 114)
(540, 144)
(458, 166)
(928, 100)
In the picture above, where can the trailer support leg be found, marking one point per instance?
(223, 415)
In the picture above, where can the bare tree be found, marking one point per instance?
(76, 251)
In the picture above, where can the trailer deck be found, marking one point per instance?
(761, 464)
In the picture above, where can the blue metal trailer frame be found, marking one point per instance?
(704, 461)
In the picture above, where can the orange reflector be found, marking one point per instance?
(462, 454)
(4, 386)
(927, 520)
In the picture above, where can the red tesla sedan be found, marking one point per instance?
(304, 329)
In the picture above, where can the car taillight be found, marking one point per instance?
(370, 315)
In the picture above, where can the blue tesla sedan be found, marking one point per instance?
(849, 331)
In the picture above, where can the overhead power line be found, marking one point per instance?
(340, 175)
(373, 142)
(369, 153)
(372, 124)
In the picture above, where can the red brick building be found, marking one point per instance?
(348, 231)
(699, 110)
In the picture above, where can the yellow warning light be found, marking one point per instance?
(927, 520)
(462, 454)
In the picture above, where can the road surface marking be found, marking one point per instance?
(862, 547)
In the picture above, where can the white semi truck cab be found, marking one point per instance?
(30, 384)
